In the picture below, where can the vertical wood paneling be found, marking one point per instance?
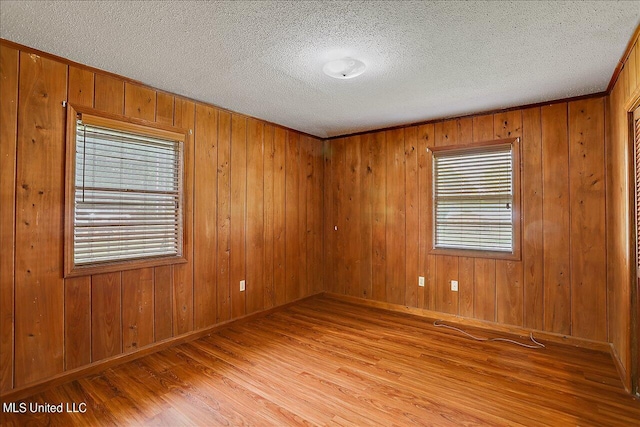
(164, 108)
(329, 219)
(632, 66)
(292, 250)
(366, 215)
(238, 212)
(302, 216)
(302, 284)
(311, 207)
(484, 279)
(9, 59)
(426, 265)
(623, 78)
(139, 102)
(396, 216)
(618, 306)
(106, 330)
(465, 130)
(109, 94)
(39, 290)
(279, 214)
(637, 55)
(182, 286)
(327, 251)
(466, 271)
(163, 303)
(315, 194)
(269, 208)
(619, 222)
(137, 309)
(67, 324)
(587, 197)
(205, 216)
(509, 293)
(483, 128)
(446, 133)
(379, 213)
(77, 322)
(351, 255)
(430, 283)
(446, 271)
(412, 226)
(507, 125)
(224, 217)
(515, 292)
(338, 166)
(509, 288)
(532, 252)
(255, 216)
(557, 274)
(94, 306)
(81, 86)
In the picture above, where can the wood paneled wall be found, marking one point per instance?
(378, 221)
(620, 223)
(253, 211)
(259, 202)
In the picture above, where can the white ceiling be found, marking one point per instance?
(424, 60)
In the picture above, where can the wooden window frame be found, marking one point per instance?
(121, 123)
(515, 255)
(634, 173)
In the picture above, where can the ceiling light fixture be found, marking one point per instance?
(345, 68)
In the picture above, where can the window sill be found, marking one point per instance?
(515, 256)
(76, 271)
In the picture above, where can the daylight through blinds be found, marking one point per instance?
(473, 199)
(127, 196)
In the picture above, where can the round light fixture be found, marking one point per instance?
(345, 68)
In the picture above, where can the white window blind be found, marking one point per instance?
(473, 199)
(128, 190)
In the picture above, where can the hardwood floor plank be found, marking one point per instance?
(328, 362)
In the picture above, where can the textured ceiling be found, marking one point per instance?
(264, 58)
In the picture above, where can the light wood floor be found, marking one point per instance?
(325, 362)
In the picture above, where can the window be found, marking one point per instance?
(124, 194)
(476, 199)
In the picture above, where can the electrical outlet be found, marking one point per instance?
(454, 285)
(421, 281)
(242, 285)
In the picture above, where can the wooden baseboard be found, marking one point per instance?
(101, 365)
(626, 379)
(475, 323)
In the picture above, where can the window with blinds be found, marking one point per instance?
(127, 195)
(473, 198)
